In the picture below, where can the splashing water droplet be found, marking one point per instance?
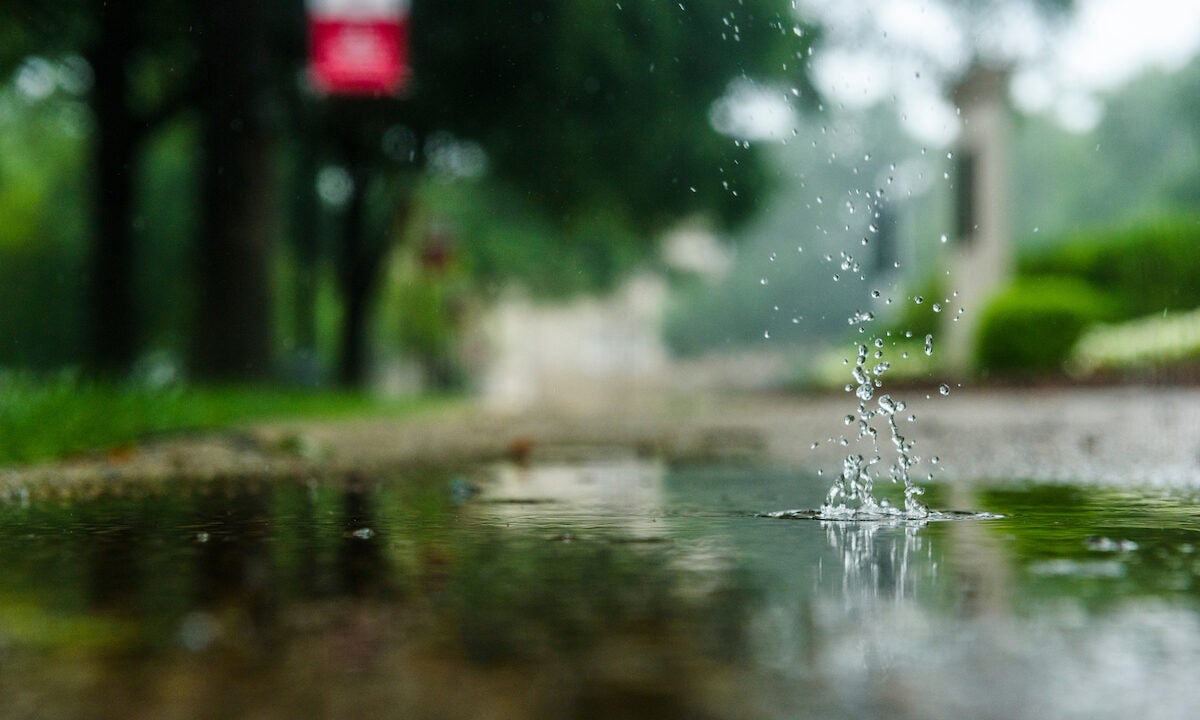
(851, 494)
(944, 389)
(928, 344)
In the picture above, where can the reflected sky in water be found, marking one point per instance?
(618, 587)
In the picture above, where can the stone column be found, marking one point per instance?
(980, 260)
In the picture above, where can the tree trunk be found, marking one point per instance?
(357, 277)
(364, 250)
(305, 241)
(233, 338)
(112, 343)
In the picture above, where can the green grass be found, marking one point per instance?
(43, 419)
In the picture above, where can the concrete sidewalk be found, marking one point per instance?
(1111, 435)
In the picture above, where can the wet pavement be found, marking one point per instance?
(1118, 435)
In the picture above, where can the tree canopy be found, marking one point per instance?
(592, 117)
(594, 107)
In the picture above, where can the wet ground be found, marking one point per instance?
(1117, 435)
(587, 566)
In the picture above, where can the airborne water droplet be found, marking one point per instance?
(944, 389)
(928, 344)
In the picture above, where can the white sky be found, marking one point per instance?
(908, 49)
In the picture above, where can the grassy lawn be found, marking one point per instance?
(43, 419)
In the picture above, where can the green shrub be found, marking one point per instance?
(1146, 269)
(1031, 327)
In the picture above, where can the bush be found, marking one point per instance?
(1154, 341)
(1146, 269)
(1031, 327)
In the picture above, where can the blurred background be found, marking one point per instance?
(527, 200)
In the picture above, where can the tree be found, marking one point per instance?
(233, 337)
(590, 105)
(596, 114)
(127, 46)
(113, 328)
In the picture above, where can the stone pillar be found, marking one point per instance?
(980, 260)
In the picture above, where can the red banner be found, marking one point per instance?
(358, 48)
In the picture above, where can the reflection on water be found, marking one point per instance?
(614, 588)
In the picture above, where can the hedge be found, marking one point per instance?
(1031, 327)
(1146, 269)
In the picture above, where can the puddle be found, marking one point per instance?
(625, 584)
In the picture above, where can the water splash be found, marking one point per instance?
(852, 496)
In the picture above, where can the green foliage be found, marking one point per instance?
(1146, 268)
(1139, 161)
(42, 221)
(594, 117)
(505, 236)
(590, 106)
(164, 232)
(1031, 327)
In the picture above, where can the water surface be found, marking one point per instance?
(619, 587)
